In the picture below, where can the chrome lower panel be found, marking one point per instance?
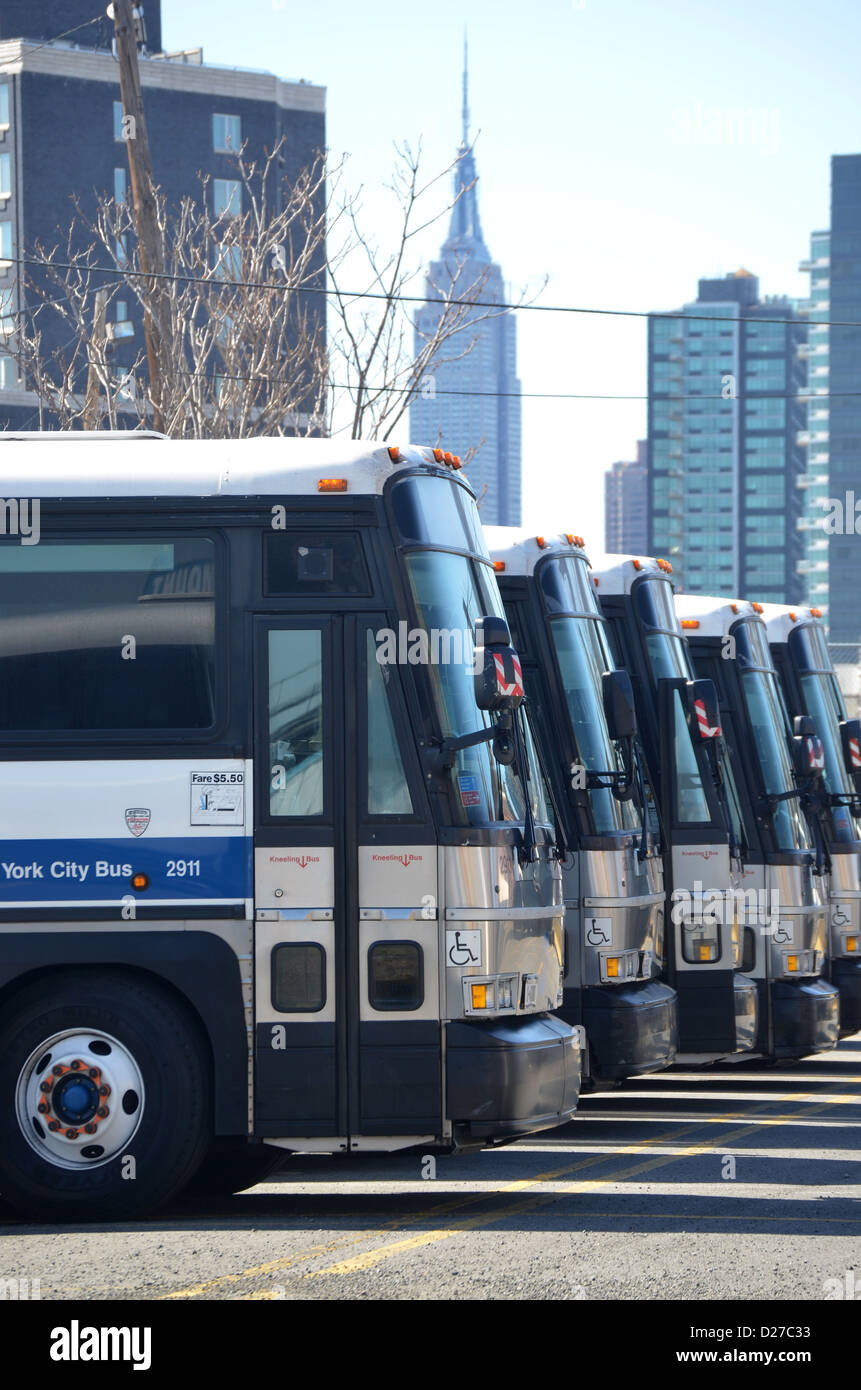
(614, 904)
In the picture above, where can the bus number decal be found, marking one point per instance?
(183, 868)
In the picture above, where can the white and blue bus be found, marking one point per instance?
(277, 873)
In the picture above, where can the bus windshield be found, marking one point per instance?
(582, 654)
(450, 591)
(767, 720)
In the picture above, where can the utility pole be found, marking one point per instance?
(91, 407)
(144, 207)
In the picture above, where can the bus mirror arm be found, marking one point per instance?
(442, 756)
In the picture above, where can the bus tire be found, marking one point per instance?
(232, 1166)
(105, 1097)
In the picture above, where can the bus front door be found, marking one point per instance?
(347, 1002)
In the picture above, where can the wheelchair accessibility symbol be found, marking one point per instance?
(782, 933)
(839, 918)
(599, 931)
(462, 948)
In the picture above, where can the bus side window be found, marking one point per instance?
(748, 958)
(388, 792)
(296, 722)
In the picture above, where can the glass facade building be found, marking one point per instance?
(844, 409)
(816, 308)
(724, 447)
(626, 505)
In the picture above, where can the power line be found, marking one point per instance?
(218, 281)
(56, 39)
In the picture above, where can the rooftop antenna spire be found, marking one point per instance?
(465, 111)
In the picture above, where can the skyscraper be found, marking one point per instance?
(724, 450)
(626, 505)
(472, 402)
(61, 135)
(844, 424)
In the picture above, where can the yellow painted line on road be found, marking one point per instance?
(368, 1259)
(523, 1184)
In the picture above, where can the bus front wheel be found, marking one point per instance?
(105, 1105)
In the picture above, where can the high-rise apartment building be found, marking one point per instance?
(626, 505)
(61, 136)
(814, 567)
(473, 402)
(724, 450)
(843, 304)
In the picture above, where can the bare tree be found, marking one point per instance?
(375, 364)
(244, 339)
(244, 342)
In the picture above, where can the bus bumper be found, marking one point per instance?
(846, 979)
(631, 1030)
(745, 999)
(806, 1017)
(510, 1076)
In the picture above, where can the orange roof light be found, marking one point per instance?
(816, 612)
(757, 607)
(332, 484)
(569, 538)
(455, 461)
(734, 607)
(499, 566)
(395, 453)
(792, 616)
(690, 622)
(540, 542)
(595, 580)
(437, 455)
(636, 564)
(665, 566)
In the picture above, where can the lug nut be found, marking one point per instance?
(42, 1108)
(71, 1134)
(76, 1066)
(44, 1085)
(94, 1072)
(104, 1090)
(102, 1112)
(53, 1124)
(90, 1128)
(58, 1070)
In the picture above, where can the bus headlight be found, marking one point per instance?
(850, 944)
(800, 962)
(621, 965)
(492, 995)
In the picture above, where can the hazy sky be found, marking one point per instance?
(624, 149)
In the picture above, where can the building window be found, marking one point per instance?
(119, 134)
(8, 374)
(226, 134)
(7, 305)
(4, 104)
(120, 185)
(7, 245)
(226, 197)
(5, 175)
(121, 251)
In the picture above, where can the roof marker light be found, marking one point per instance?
(446, 457)
(636, 564)
(690, 622)
(540, 542)
(572, 540)
(595, 580)
(437, 455)
(816, 612)
(734, 607)
(455, 461)
(757, 607)
(395, 454)
(331, 484)
(499, 566)
(793, 617)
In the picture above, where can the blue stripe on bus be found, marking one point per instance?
(177, 867)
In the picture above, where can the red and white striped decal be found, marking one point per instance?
(816, 754)
(502, 686)
(706, 729)
(855, 752)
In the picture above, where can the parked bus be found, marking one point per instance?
(613, 874)
(785, 937)
(701, 820)
(276, 874)
(810, 690)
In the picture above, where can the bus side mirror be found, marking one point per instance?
(496, 673)
(850, 737)
(619, 705)
(706, 707)
(808, 754)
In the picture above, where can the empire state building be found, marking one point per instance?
(473, 402)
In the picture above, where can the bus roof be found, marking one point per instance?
(614, 574)
(713, 616)
(60, 465)
(781, 618)
(519, 550)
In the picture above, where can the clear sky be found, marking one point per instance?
(624, 147)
